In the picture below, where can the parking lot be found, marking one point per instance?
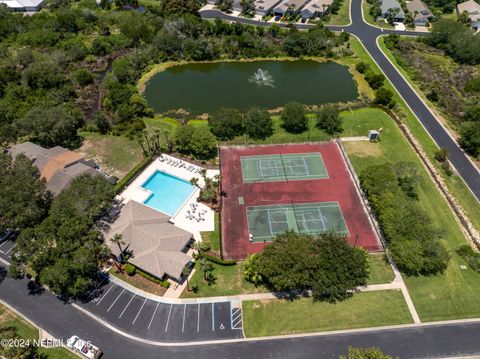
(153, 320)
(6, 250)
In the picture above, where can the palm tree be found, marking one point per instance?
(194, 182)
(117, 238)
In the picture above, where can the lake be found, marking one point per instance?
(205, 87)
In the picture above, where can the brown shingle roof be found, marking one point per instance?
(155, 243)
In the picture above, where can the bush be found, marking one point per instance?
(362, 67)
(374, 80)
(384, 97)
(470, 256)
(130, 269)
(294, 117)
(165, 284)
(441, 154)
(446, 168)
(83, 77)
(329, 120)
(216, 260)
(473, 85)
(251, 272)
(470, 138)
(132, 174)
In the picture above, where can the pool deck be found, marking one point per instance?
(136, 192)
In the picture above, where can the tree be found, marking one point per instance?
(384, 97)
(470, 138)
(66, 249)
(365, 353)
(118, 240)
(329, 120)
(10, 334)
(464, 18)
(52, 126)
(205, 266)
(247, 6)
(83, 77)
(225, 5)
(226, 123)
(258, 123)
(374, 80)
(102, 123)
(362, 67)
(327, 265)
(196, 141)
(23, 201)
(294, 117)
(472, 113)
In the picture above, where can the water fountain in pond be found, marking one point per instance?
(262, 78)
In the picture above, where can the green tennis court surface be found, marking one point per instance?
(265, 222)
(288, 167)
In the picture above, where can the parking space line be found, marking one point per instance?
(96, 287)
(168, 319)
(139, 311)
(151, 319)
(198, 318)
(11, 249)
(124, 309)
(183, 323)
(213, 317)
(109, 289)
(1, 245)
(115, 300)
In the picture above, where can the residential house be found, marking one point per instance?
(473, 10)
(264, 7)
(388, 6)
(156, 245)
(288, 6)
(23, 5)
(315, 8)
(58, 166)
(420, 12)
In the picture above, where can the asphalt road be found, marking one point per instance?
(63, 320)
(368, 35)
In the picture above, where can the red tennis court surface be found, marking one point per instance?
(338, 187)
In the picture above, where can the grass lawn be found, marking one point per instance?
(364, 309)
(380, 270)
(213, 238)
(229, 282)
(455, 293)
(115, 154)
(342, 17)
(27, 331)
(455, 184)
(369, 18)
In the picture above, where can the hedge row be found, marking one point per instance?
(220, 261)
(163, 283)
(132, 174)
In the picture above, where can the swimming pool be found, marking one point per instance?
(169, 193)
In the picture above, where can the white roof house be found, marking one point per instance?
(315, 8)
(285, 5)
(263, 7)
(473, 10)
(23, 5)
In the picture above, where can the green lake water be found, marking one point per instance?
(205, 87)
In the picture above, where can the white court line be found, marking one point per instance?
(198, 318)
(168, 319)
(151, 319)
(139, 311)
(183, 323)
(124, 309)
(115, 300)
(109, 289)
(10, 249)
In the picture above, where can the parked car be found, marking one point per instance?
(9, 233)
(277, 18)
(83, 347)
(304, 20)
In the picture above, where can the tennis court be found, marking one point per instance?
(266, 222)
(283, 167)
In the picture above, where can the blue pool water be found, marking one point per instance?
(168, 192)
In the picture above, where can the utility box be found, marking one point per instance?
(373, 135)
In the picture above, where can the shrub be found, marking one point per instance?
(251, 272)
(374, 80)
(446, 168)
(362, 67)
(165, 284)
(441, 154)
(470, 138)
(130, 269)
(384, 97)
(216, 260)
(470, 256)
(83, 77)
(329, 120)
(473, 85)
(132, 174)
